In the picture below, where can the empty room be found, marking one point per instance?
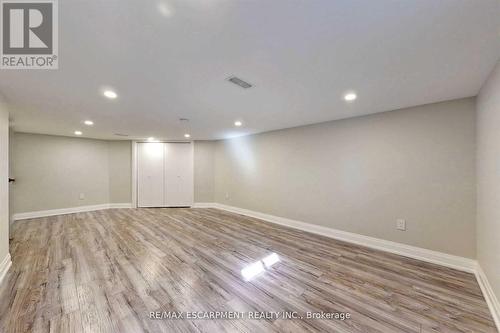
(250, 166)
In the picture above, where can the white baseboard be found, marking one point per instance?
(120, 205)
(440, 258)
(4, 267)
(70, 210)
(203, 205)
(489, 295)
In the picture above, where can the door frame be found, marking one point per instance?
(134, 165)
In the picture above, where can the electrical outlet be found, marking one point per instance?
(81, 196)
(401, 224)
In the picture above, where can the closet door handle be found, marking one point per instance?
(12, 180)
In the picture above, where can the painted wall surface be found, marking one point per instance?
(204, 152)
(52, 171)
(120, 168)
(361, 174)
(488, 179)
(4, 186)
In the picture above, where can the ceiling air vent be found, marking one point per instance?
(120, 134)
(239, 82)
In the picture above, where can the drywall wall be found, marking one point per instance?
(488, 179)
(204, 171)
(4, 187)
(361, 174)
(11, 205)
(52, 171)
(120, 168)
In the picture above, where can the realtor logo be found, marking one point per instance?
(29, 34)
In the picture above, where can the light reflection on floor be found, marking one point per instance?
(258, 267)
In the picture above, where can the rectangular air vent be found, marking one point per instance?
(239, 82)
(120, 134)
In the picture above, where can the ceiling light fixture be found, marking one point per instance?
(88, 122)
(78, 133)
(349, 97)
(151, 139)
(110, 94)
(164, 9)
(187, 135)
(238, 123)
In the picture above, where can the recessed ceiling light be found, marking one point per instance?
(78, 133)
(164, 9)
(187, 135)
(110, 94)
(349, 97)
(151, 139)
(238, 123)
(88, 122)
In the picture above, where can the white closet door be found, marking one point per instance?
(178, 174)
(150, 174)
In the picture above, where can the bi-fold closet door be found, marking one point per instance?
(164, 174)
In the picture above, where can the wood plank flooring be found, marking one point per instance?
(106, 271)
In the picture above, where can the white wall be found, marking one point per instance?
(52, 171)
(120, 168)
(361, 174)
(488, 179)
(4, 189)
(204, 152)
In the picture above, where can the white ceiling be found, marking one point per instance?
(300, 55)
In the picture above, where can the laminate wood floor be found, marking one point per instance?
(106, 271)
